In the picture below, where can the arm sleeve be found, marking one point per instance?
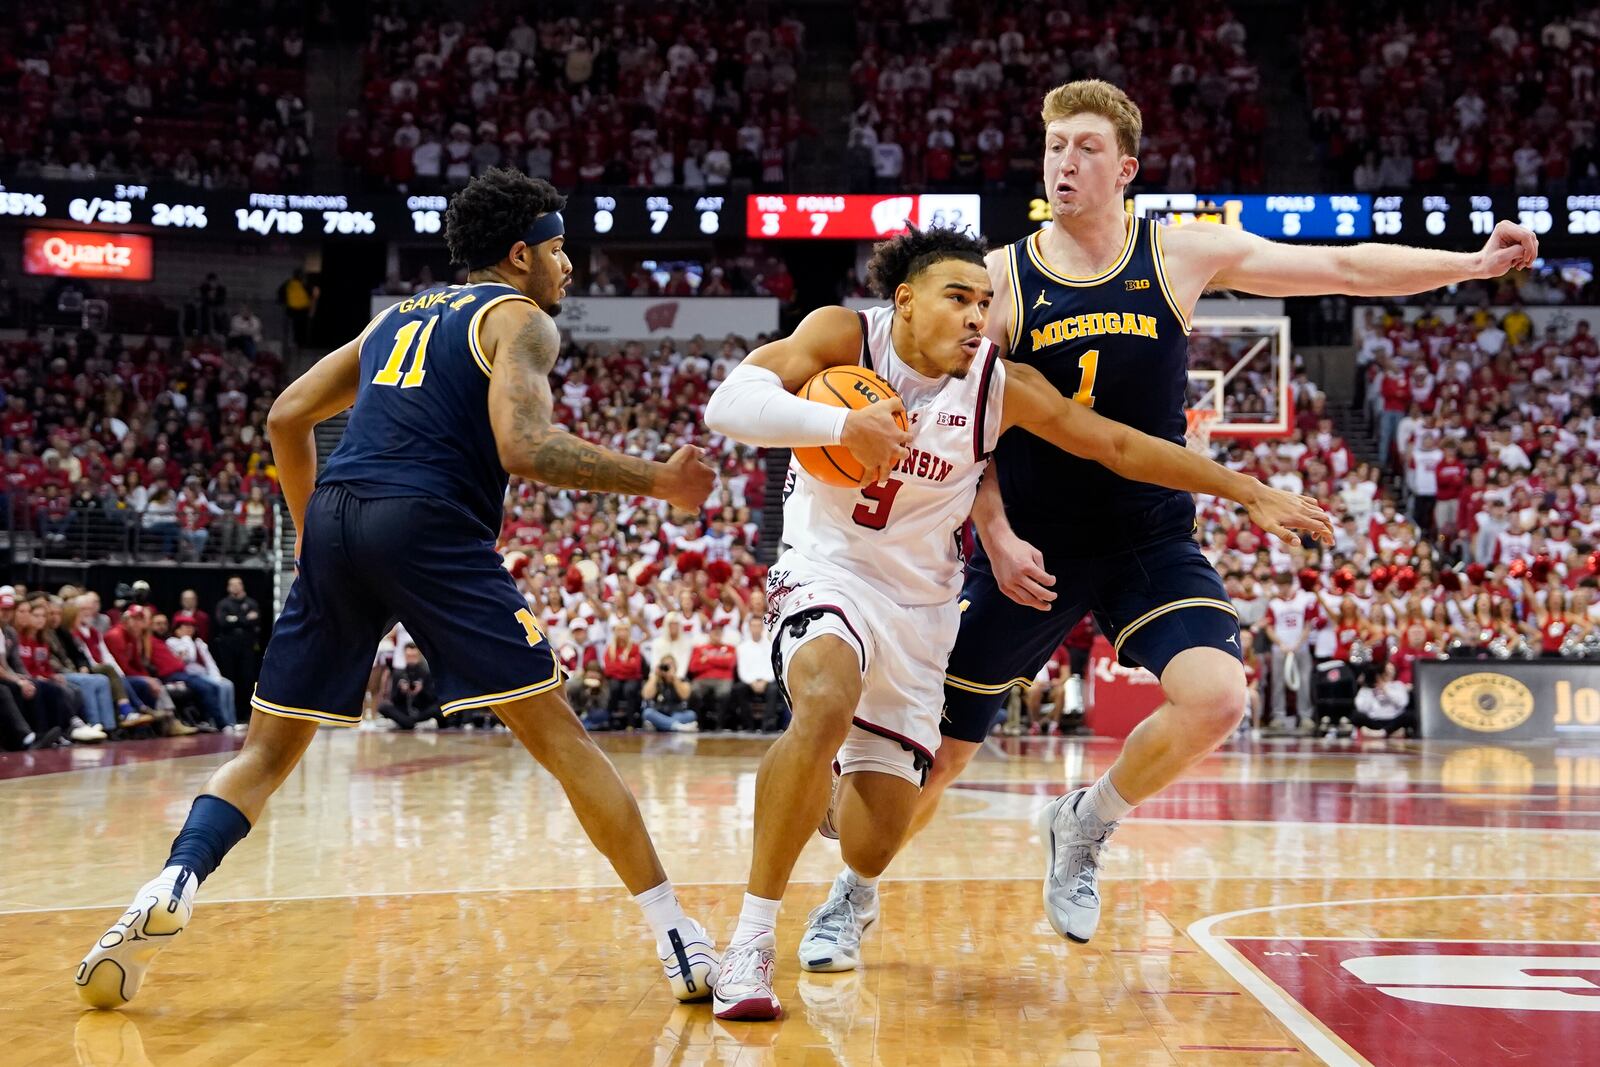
(752, 406)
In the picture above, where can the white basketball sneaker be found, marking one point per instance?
(744, 987)
(689, 960)
(832, 940)
(112, 972)
(1072, 868)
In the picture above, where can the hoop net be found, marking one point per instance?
(1201, 421)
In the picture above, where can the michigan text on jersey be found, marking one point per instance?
(1094, 324)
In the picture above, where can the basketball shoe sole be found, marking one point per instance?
(111, 974)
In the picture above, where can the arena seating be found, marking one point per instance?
(208, 94)
(948, 95)
(695, 95)
(1433, 95)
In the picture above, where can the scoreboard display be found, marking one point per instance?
(858, 217)
(1280, 216)
(641, 215)
(1425, 218)
(646, 215)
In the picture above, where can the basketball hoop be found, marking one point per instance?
(1198, 434)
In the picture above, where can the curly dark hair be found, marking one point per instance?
(902, 258)
(491, 214)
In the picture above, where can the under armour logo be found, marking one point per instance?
(1041, 302)
(1233, 639)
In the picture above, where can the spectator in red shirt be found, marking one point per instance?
(623, 667)
(711, 670)
(1396, 391)
(1451, 478)
(194, 519)
(17, 424)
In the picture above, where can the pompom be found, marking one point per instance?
(1405, 579)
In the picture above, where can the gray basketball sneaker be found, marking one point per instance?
(1072, 871)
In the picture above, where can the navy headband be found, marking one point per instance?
(544, 228)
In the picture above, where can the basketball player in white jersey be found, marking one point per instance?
(1185, 631)
(862, 604)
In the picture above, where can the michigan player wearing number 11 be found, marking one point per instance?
(863, 603)
(451, 392)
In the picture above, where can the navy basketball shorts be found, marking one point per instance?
(1151, 602)
(366, 563)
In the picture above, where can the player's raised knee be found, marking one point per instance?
(1207, 687)
(1215, 709)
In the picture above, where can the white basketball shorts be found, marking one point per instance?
(903, 652)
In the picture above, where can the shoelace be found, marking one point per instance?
(1085, 886)
(832, 918)
(741, 965)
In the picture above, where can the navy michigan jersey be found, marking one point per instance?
(1117, 342)
(420, 426)
(402, 527)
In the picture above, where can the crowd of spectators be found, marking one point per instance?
(751, 273)
(680, 93)
(1488, 94)
(207, 95)
(1472, 533)
(948, 94)
(656, 615)
(754, 273)
(150, 448)
(72, 674)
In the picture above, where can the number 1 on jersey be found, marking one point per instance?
(389, 374)
(882, 494)
(1089, 363)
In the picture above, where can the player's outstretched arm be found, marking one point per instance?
(757, 405)
(1234, 259)
(1032, 403)
(529, 446)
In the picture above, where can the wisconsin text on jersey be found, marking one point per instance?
(1094, 324)
(922, 464)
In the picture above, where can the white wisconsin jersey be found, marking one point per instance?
(902, 536)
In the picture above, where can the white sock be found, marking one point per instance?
(1102, 803)
(859, 881)
(661, 909)
(758, 916)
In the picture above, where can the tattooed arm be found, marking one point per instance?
(523, 343)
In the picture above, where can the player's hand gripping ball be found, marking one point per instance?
(873, 442)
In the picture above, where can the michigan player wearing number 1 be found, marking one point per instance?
(862, 603)
(451, 392)
(1061, 536)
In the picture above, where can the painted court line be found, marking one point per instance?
(590, 886)
(1299, 1022)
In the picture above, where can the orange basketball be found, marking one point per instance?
(846, 387)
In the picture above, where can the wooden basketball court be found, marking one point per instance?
(429, 898)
